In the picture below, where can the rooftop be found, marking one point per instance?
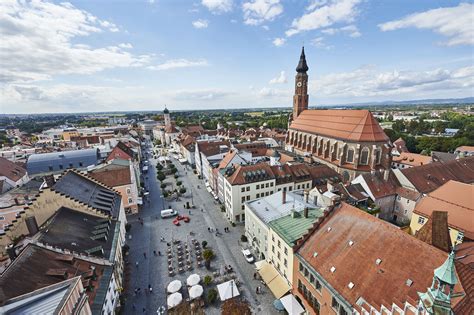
(11, 170)
(89, 192)
(80, 232)
(352, 125)
(384, 264)
(294, 225)
(412, 159)
(457, 200)
(113, 174)
(271, 207)
(37, 267)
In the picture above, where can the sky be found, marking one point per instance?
(126, 55)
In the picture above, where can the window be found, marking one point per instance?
(278, 255)
(258, 186)
(273, 248)
(364, 156)
(311, 279)
(60, 166)
(248, 188)
(279, 189)
(243, 199)
(80, 164)
(460, 236)
(50, 168)
(266, 194)
(335, 304)
(350, 155)
(70, 165)
(285, 262)
(128, 191)
(378, 156)
(248, 198)
(267, 184)
(318, 285)
(242, 189)
(130, 200)
(421, 220)
(279, 244)
(243, 207)
(408, 201)
(301, 269)
(2, 218)
(271, 184)
(258, 195)
(286, 251)
(273, 238)
(298, 187)
(290, 188)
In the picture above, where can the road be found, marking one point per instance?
(153, 271)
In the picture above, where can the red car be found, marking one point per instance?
(176, 222)
(183, 218)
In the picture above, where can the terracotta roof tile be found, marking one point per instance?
(412, 159)
(427, 178)
(112, 176)
(457, 199)
(465, 268)
(352, 125)
(11, 170)
(244, 174)
(402, 257)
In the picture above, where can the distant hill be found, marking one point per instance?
(466, 100)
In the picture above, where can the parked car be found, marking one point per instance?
(168, 213)
(248, 256)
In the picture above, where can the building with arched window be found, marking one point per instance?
(349, 141)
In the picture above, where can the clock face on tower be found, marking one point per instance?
(298, 84)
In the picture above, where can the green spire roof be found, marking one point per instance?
(447, 272)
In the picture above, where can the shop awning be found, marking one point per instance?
(275, 282)
(292, 306)
(259, 264)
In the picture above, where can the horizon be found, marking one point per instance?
(86, 57)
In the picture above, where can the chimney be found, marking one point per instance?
(283, 196)
(50, 181)
(11, 251)
(386, 173)
(306, 194)
(32, 225)
(306, 212)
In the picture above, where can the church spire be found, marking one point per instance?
(437, 300)
(302, 65)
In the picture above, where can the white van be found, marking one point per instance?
(168, 213)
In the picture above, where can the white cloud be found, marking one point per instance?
(279, 41)
(315, 4)
(37, 42)
(266, 27)
(201, 23)
(179, 63)
(280, 79)
(319, 42)
(368, 81)
(199, 94)
(258, 11)
(126, 45)
(273, 93)
(456, 23)
(151, 1)
(351, 30)
(336, 11)
(218, 6)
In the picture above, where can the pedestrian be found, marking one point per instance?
(209, 229)
(150, 288)
(144, 255)
(144, 310)
(154, 252)
(159, 253)
(189, 212)
(256, 290)
(255, 275)
(134, 307)
(202, 210)
(136, 291)
(136, 264)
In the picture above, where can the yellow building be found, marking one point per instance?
(70, 133)
(283, 234)
(456, 199)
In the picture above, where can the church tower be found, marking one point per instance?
(166, 115)
(437, 300)
(300, 99)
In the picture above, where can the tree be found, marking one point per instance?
(208, 254)
(235, 306)
(204, 244)
(207, 280)
(211, 296)
(163, 186)
(179, 183)
(182, 190)
(159, 167)
(243, 238)
(160, 176)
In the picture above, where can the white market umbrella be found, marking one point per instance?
(227, 290)
(174, 286)
(193, 279)
(292, 306)
(174, 299)
(195, 291)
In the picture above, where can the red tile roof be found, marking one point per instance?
(402, 257)
(244, 174)
(428, 177)
(112, 175)
(11, 170)
(379, 187)
(352, 125)
(412, 159)
(465, 268)
(457, 199)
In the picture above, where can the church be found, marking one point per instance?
(349, 141)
